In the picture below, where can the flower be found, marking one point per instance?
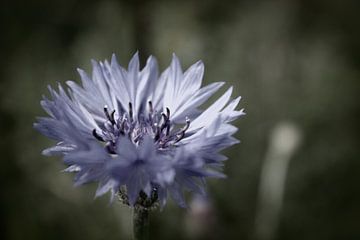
(140, 134)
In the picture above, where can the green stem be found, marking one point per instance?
(141, 223)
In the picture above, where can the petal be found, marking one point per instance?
(146, 86)
(210, 113)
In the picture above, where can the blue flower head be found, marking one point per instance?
(138, 134)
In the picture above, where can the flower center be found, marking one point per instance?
(152, 123)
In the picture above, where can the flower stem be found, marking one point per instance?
(140, 223)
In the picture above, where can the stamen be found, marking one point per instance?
(158, 125)
(108, 116)
(122, 127)
(179, 136)
(164, 116)
(137, 138)
(94, 133)
(157, 133)
(165, 123)
(131, 112)
(113, 116)
(151, 109)
(168, 113)
(167, 129)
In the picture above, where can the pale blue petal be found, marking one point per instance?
(211, 112)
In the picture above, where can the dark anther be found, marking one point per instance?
(164, 116)
(94, 133)
(167, 129)
(113, 117)
(122, 127)
(108, 116)
(168, 113)
(157, 134)
(151, 109)
(106, 111)
(131, 112)
(166, 122)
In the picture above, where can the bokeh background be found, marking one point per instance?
(296, 173)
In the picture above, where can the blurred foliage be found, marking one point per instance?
(290, 60)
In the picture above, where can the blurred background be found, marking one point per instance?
(295, 174)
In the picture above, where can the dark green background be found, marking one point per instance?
(295, 61)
